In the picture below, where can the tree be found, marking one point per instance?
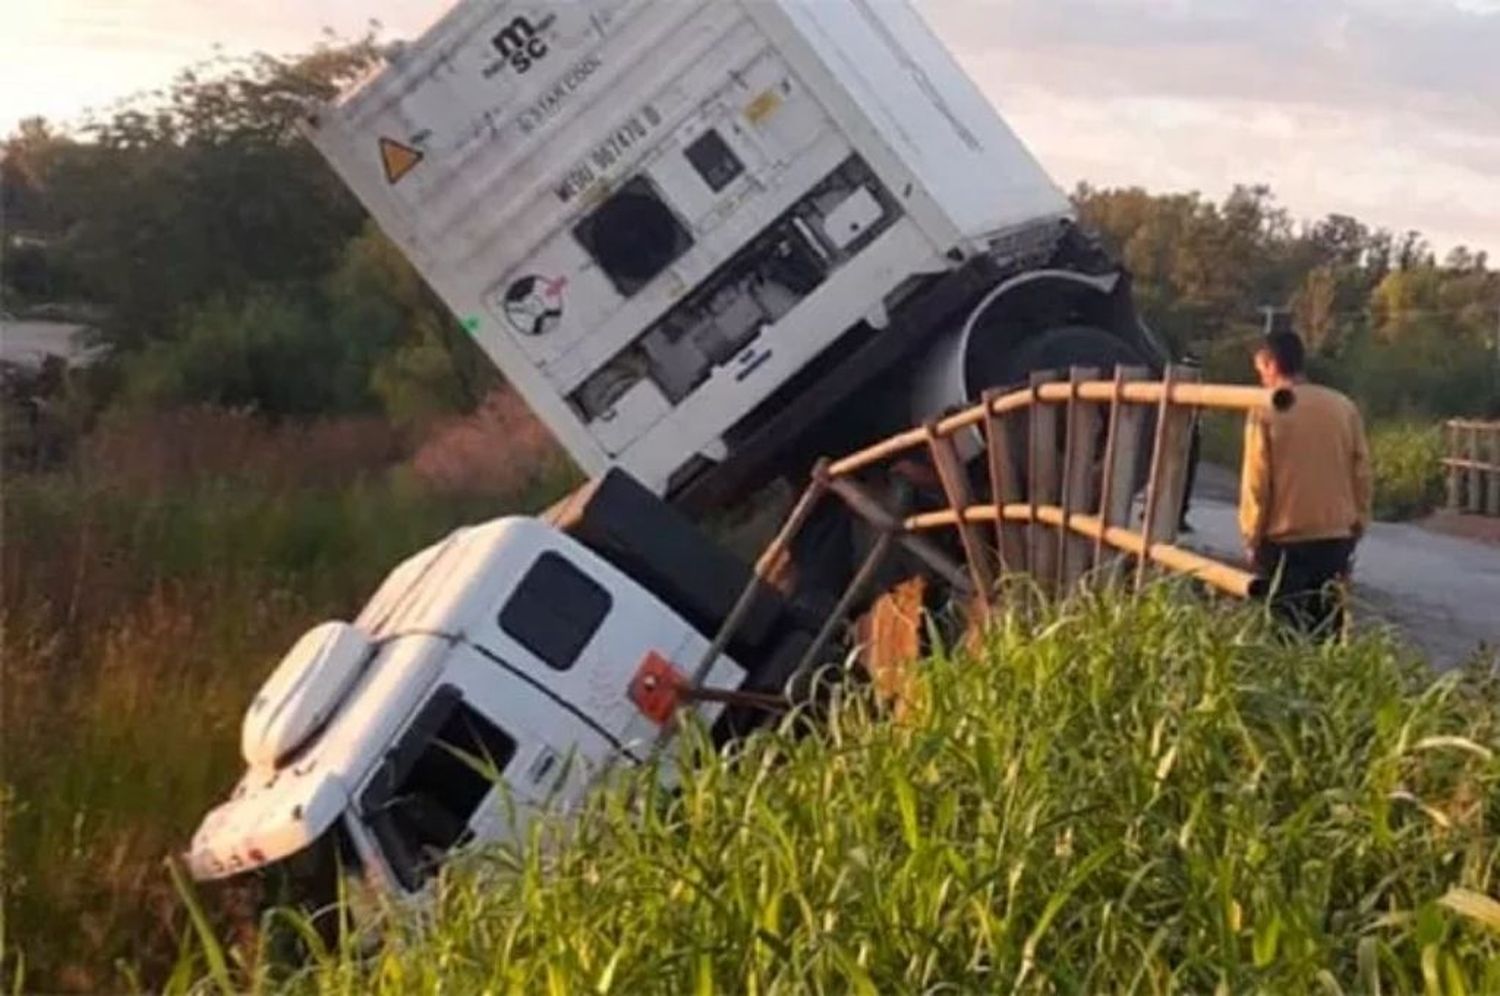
(1413, 251)
(1403, 295)
(230, 263)
(29, 156)
(1384, 320)
(1200, 268)
(1315, 309)
(204, 192)
(424, 365)
(30, 270)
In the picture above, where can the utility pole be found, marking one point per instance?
(1277, 318)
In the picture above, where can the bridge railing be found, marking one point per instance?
(1073, 478)
(1473, 466)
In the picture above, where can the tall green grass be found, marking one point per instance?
(149, 585)
(1124, 796)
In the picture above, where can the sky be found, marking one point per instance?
(1388, 110)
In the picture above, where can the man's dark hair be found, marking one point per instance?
(1287, 350)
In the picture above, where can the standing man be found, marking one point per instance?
(1304, 490)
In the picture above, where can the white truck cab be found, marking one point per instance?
(489, 677)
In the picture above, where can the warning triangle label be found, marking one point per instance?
(398, 159)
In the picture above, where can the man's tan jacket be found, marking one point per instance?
(1306, 474)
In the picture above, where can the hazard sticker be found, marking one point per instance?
(398, 159)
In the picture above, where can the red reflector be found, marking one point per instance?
(655, 686)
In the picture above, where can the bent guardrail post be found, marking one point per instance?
(956, 489)
(873, 512)
(1005, 483)
(852, 592)
(1056, 535)
(1122, 454)
(767, 561)
(1041, 481)
(1074, 552)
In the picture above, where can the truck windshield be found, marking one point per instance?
(422, 798)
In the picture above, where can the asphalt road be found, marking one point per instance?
(1442, 593)
(29, 342)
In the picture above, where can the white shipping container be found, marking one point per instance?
(652, 213)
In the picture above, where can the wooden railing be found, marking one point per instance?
(1065, 462)
(1473, 465)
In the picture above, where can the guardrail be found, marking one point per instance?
(1473, 465)
(1065, 461)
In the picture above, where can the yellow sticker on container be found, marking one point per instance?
(398, 159)
(763, 106)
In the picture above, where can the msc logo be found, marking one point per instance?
(520, 43)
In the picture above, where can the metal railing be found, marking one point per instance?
(1054, 497)
(1473, 466)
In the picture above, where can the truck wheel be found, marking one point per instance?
(1057, 350)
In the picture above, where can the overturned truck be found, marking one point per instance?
(706, 241)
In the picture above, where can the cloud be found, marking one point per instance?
(1388, 109)
(60, 57)
(1343, 52)
(1385, 110)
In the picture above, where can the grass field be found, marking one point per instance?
(1129, 795)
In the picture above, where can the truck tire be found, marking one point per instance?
(1057, 350)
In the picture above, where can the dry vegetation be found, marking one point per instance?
(149, 584)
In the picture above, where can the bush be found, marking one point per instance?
(187, 447)
(1406, 462)
(428, 367)
(271, 352)
(1223, 438)
(1131, 795)
(370, 336)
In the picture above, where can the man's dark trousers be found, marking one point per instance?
(1305, 576)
